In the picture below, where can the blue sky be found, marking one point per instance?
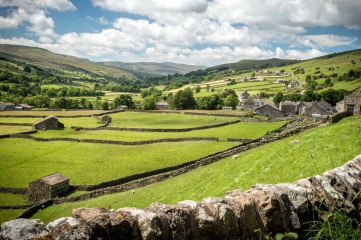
(199, 32)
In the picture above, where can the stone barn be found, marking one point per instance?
(47, 187)
(351, 103)
(50, 122)
(106, 118)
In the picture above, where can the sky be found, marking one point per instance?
(198, 32)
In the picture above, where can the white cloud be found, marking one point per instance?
(302, 55)
(33, 12)
(325, 40)
(60, 5)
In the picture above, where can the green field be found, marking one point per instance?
(23, 160)
(245, 130)
(11, 199)
(14, 129)
(281, 161)
(164, 120)
(47, 113)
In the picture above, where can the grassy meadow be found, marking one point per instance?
(282, 161)
(24, 160)
(245, 130)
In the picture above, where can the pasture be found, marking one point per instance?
(244, 130)
(317, 150)
(24, 160)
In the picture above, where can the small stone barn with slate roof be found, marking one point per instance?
(50, 122)
(47, 187)
(106, 118)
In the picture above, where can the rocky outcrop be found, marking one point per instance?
(279, 208)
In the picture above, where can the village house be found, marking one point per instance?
(243, 96)
(50, 122)
(48, 187)
(293, 84)
(351, 104)
(288, 107)
(268, 111)
(161, 105)
(315, 109)
(7, 106)
(300, 105)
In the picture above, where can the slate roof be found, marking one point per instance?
(54, 178)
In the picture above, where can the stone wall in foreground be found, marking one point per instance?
(279, 208)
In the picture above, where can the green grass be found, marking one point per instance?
(237, 130)
(9, 214)
(164, 120)
(24, 160)
(68, 122)
(281, 161)
(85, 113)
(14, 129)
(11, 199)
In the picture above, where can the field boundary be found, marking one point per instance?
(158, 129)
(115, 142)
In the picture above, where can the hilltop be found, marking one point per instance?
(14, 57)
(153, 68)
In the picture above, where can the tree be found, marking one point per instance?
(210, 102)
(184, 99)
(27, 69)
(105, 105)
(149, 103)
(231, 101)
(126, 100)
(278, 98)
(198, 89)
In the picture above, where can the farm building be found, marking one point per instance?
(161, 105)
(24, 106)
(269, 111)
(227, 108)
(289, 108)
(47, 187)
(243, 96)
(351, 103)
(106, 118)
(50, 122)
(7, 106)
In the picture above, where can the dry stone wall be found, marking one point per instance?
(279, 208)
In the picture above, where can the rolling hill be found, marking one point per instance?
(249, 64)
(153, 68)
(14, 57)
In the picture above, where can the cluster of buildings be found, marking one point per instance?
(351, 105)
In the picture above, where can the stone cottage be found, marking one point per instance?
(47, 187)
(269, 111)
(7, 106)
(50, 122)
(351, 104)
(288, 107)
(244, 95)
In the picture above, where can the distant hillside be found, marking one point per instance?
(153, 68)
(249, 64)
(14, 57)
